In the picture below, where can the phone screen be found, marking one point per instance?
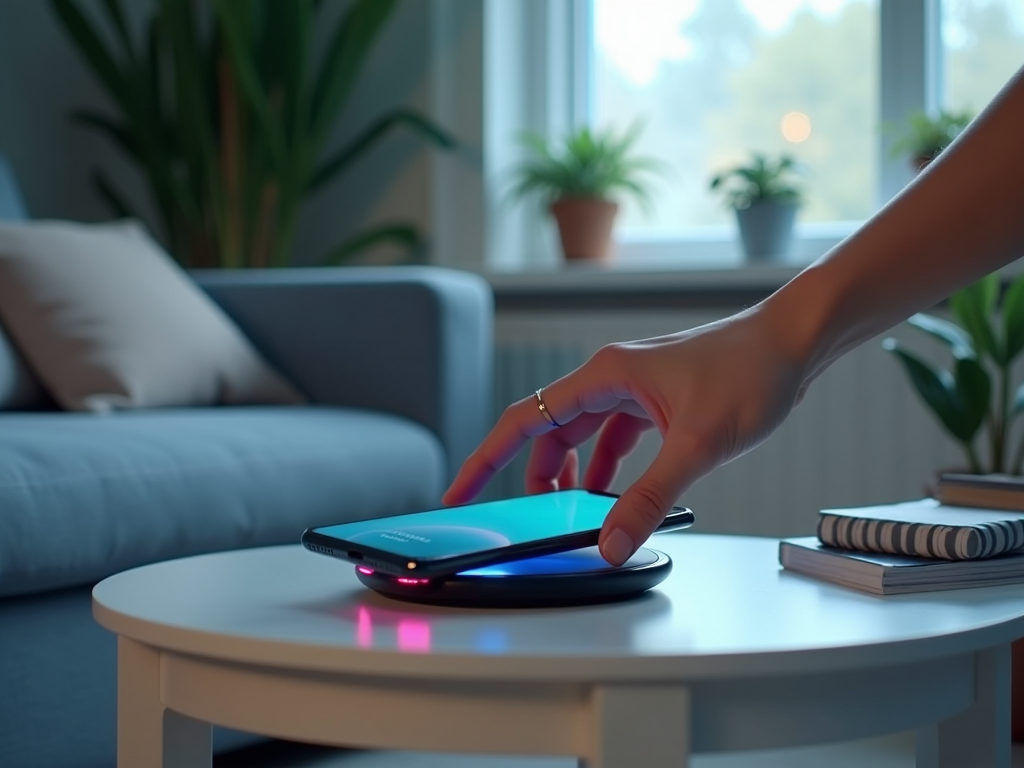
(478, 527)
(456, 532)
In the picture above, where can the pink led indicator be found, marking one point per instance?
(413, 635)
(364, 628)
(404, 580)
(364, 569)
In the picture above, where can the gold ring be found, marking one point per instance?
(544, 409)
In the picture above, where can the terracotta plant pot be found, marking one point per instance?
(585, 227)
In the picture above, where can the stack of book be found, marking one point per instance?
(971, 535)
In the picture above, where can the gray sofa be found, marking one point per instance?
(396, 363)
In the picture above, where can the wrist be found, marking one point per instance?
(801, 317)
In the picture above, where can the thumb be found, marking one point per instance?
(642, 508)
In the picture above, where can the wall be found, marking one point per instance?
(42, 81)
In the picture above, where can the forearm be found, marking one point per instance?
(959, 220)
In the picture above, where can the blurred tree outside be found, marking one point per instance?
(724, 94)
(718, 85)
(824, 67)
(984, 46)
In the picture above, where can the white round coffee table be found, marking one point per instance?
(729, 653)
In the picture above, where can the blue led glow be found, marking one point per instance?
(577, 561)
(491, 640)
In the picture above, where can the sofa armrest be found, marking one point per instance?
(413, 341)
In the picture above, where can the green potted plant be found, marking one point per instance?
(576, 180)
(924, 136)
(229, 116)
(975, 395)
(765, 197)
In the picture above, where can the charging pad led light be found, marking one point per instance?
(579, 577)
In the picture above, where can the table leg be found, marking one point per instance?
(978, 737)
(149, 735)
(634, 725)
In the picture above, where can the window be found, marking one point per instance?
(712, 80)
(982, 46)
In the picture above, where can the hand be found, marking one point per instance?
(713, 393)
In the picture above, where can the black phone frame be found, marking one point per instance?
(431, 568)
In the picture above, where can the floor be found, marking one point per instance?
(889, 752)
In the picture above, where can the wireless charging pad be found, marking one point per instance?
(578, 577)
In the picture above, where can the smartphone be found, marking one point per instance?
(442, 542)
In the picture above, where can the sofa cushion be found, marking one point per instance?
(107, 320)
(85, 496)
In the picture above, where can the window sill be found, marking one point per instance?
(635, 285)
(684, 269)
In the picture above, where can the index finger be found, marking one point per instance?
(521, 422)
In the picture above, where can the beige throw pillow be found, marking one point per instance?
(107, 320)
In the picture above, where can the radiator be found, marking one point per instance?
(860, 436)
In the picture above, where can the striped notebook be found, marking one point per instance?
(924, 528)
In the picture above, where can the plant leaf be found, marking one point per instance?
(113, 197)
(760, 178)
(116, 15)
(585, 164)
(973, 306)
(354, 149)
(951, 334)
(1013, 319)
(284, 55)
(939, 391)
(155, 84)
(120, 133)
(349, 45)
(401, 234)
(240, 48)
(974, 387)
(94, 51)
(925, 135)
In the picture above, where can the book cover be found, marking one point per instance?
(888, 574)
(993, 491)
(924, 528)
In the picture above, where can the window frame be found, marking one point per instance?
(551, 91)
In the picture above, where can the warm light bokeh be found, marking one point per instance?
(796, 127)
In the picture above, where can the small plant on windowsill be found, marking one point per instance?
(764, 194)
(976, 394)
(577, 180)
(924, 136)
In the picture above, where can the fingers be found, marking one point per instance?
(551, 453)
(619, 436)
(644, 505)
(549, 461)
(570, 477)
(523, 421)
(519, 423)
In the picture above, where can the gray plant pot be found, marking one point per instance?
(766, 230)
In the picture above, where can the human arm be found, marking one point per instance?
(960, 219)
(718, 391)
